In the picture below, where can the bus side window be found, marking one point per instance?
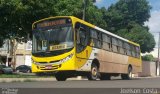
(133, 51)
(96, 38)
(125, 48)
(128, 49)
(137, 52)
(121, 49)
(114, 45)
(106, 42)
(99, 40)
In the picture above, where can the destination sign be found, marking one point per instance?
(58, 47)
(51, 23)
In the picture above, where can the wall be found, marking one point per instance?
(23, 54)
(19, 60)
(148, 69)
(28, 60)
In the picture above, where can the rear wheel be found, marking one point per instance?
(127, 76)
(105, 76)
(94, 74)
(60, 77)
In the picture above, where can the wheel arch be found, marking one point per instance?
(130, 66)
(96, 62)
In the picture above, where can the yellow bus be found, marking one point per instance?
(68, 47)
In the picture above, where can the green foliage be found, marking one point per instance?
(69, 8)
(126, 18)
(95, 16)
(139, 35)
(17, 16)
(148, 57)
(124, 12)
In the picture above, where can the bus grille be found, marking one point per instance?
(53, 67)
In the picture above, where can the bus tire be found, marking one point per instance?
(94, 73)
(105, 76)
(127, 76)
(60, 77)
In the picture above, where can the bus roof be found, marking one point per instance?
(105, 31)
(89, 24)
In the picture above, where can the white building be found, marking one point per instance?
(22, 53)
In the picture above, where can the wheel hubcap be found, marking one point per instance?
(94, 72)
(130, 74)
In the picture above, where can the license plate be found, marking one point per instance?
(48, 67)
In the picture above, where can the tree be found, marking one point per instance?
(17, 16)
(148, 57)
(121, 18)
(126, 18)
(95, 16)
(69, 8)
(139, 35)
(125, 11)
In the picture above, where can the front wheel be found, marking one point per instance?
(94, 73)
(127, 76)
(60, 77)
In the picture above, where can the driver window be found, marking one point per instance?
(81, 37)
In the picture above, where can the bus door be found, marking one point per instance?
(82, 40)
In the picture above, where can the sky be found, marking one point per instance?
(153, 23)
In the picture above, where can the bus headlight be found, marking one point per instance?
(66, 58)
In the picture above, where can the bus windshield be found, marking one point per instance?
(53, 39)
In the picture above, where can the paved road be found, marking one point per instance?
(71, 86)
(116, 83)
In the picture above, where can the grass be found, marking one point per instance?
(25, 77)
(22, 76)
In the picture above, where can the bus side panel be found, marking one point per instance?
(112, 62)
(136, 64)
(87, 65)
(82, 58)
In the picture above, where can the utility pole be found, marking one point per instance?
(84, 9)
(158, 55)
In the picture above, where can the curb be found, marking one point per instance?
(148, 77)
(25, 79)
(4, 80)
